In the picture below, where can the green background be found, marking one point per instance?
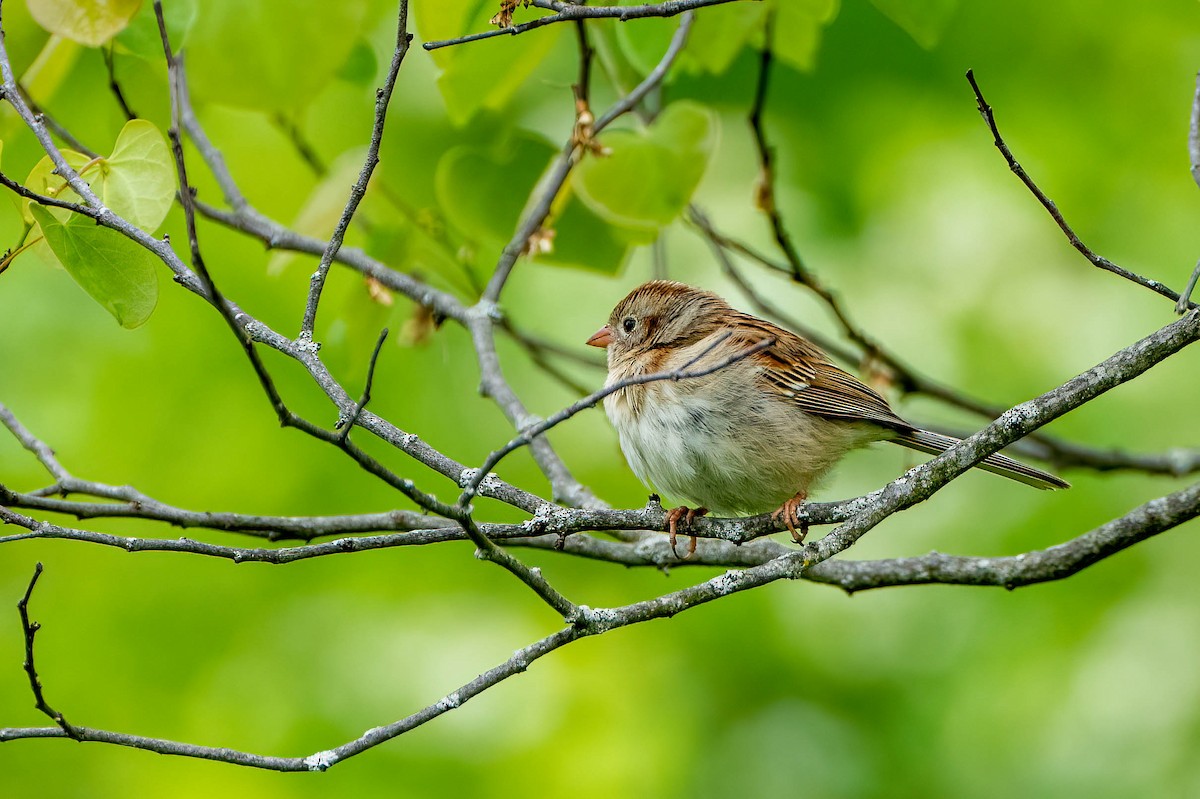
(893, 193)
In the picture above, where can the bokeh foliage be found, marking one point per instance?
(893, 193)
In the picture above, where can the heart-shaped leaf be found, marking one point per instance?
(118, 273)
(140, 176)
(649, 176)
(137, 182)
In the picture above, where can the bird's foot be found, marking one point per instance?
(688, 515)
(790, 511)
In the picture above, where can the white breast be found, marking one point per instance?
(723, 443)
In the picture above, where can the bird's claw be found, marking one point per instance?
(789, 510)
(688, 515)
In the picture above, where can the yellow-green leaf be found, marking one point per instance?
(118, 273)
(140, 176)
(137, 182)
(42, 180)
(90, 22)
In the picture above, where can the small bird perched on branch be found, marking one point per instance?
(755, 434)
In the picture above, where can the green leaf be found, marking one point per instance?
(142, 38)
(483, 74)
(650, 175)
(797, 31)
(360, 66)
(140, 176)
(118, 273)
(137, 181)
(718, 35)
(924, 20)
(583, 240)
(324, 206)
(482, 192)
(42, 180)
(90, 22)
(271, 55)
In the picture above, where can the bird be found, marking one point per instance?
(765, 415)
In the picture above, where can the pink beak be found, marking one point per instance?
(601, 338)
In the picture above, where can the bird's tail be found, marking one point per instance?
(936, 443)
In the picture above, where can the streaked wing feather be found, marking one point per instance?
(803, 373)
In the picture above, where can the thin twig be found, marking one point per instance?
(35, 684)
(685, 372)
(178, 91)
(302, 146)
(347, 424)
(765, 196)
(1194, 157)
(567, 12)
(907, 380)
(554, 182)
(29, 441)
(383, 97)
(1055, 563)
(56, 127)
(1098, 261)
(113, 85)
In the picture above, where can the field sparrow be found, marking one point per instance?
(752, 436)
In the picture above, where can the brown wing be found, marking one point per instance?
(800, 371)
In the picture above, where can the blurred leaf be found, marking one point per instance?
(484, 74)
(285, 50)
(643, 45)
(360, 66)
(90, 22)
(719, 34)
(54, 62)
(140, 176)
(115, 271)
(323, 208)
(583, 240)
(142, 38)
(797, 30)
(924, 20)
(482, 192)
(649, 176)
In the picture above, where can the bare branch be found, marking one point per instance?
(347, 424)
(566, 12)
(44, 454)
(1098, 261)
(1054, 563)
(907, 380)
(553, 183)
(113, 85)
(921, 482)
(382, 98)
(1040, 566)
(30, 630)
(1194, 135)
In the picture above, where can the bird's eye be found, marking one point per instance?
(629, 323)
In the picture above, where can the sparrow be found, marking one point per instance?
(755, 434)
